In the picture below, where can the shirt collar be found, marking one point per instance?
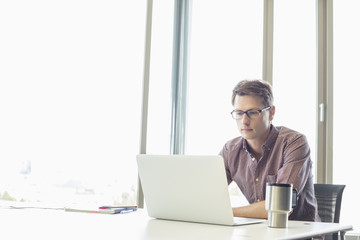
(270, 141)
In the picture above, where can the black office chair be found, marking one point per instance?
(328, 198)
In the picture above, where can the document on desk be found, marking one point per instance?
(102, 209)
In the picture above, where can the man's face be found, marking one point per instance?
(253, 129)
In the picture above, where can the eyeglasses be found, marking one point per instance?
(252, 114)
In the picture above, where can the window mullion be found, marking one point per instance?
(179, 75)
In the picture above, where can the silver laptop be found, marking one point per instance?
(187, 188)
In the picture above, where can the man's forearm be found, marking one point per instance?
(255, 210)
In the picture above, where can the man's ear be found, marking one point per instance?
(272, 113)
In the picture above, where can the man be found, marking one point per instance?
(266, 153)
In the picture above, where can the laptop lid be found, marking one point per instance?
(186, 188)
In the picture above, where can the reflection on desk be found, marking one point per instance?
(164, 229)
(56, 224)
(174, 230)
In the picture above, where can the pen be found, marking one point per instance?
(127, 210)
(116, 207)
(118, 210)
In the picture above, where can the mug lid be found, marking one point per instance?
(279, 184)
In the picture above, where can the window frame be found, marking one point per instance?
(324, 126)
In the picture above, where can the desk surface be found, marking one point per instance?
(58, 224)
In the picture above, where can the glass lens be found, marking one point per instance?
(237, 114)
(253, 114)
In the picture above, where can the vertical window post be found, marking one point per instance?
(144, 113)
(179, 75)
(325, 91)
(268, 40)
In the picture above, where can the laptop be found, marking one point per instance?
(187, 188)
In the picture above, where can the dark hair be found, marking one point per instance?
(254, 87)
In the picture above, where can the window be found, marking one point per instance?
(346, 130)
(226, 47)
(226, 43)
(294, 74)
(159, 120)
(70, 95)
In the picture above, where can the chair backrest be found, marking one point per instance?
(328, 198)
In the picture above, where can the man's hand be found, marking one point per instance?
(255, 210)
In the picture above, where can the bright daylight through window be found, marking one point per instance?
(71, 77)
(224, 49)
(346, 130)
(70, 95)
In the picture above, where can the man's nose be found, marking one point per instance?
(245, 119)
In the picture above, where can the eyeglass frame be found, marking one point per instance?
(246, 112)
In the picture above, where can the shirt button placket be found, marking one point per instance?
(256, 183)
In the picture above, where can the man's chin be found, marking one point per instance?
(247, 136)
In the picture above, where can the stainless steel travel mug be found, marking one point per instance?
(279, 200)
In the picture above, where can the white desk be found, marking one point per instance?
(57, 224)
